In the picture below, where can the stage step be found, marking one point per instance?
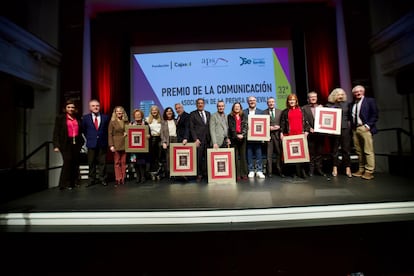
(84, 171)
(20, 182)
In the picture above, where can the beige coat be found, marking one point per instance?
(116, 136)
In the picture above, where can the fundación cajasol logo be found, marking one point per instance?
(173, 65)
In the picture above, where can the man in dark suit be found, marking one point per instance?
(274, 145)
(315, 140)
(182, 124)
(200, 133)
(364, 114)
(95, 129)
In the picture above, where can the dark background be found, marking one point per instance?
(372, 249)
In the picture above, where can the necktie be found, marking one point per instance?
(204, 117)
(356, 114)
(273, 114)
(96, 122)
(178, 119)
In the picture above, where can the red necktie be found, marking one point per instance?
(96, 122)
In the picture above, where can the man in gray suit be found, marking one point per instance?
(219, 127)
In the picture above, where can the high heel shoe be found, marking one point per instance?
(334, 171)
(348, 172)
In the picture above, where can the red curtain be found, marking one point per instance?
(321, 61)
(322, 64)
(106, 62)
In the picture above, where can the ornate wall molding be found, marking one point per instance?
(25, 56)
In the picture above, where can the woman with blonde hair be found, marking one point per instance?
(116, 142)
(341, 143)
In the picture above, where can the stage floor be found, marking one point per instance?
(254, 193)
(313, 226)
(173, 205)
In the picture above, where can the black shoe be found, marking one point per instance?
(302, 174)
(320, 172)
(104, 183)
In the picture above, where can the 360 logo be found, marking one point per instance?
(252, 61)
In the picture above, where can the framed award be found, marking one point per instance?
(183, 159)
(295, 149)
(258, 128)
(328, 120)
(221, 165)
(136, 139)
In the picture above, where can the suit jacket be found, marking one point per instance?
(276, 120)
(183, 127)
(95, 138)
(116, 136)
(308, 115)
(61, 136)
(257, 112)
(198, 129)
(218, 129)
(368, 113)
(165, 132)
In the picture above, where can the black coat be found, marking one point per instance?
(60, 134)
(183, 127)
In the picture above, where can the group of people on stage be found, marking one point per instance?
(216, 130)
